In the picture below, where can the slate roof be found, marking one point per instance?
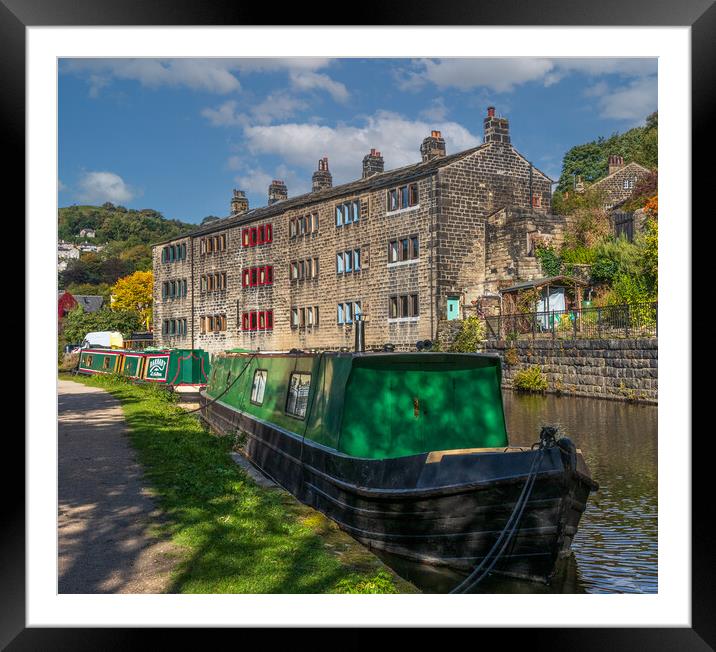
(380, 180)
(89, 302)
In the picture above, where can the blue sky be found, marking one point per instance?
(177, 135)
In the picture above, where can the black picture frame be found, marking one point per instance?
(700, 15)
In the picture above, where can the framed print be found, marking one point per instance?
(265, 158)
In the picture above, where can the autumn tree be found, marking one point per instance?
(134, 292)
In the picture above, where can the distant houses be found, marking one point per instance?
(67, 251)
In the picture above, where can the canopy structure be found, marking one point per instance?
(554, 293)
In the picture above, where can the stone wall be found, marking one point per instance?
(624, 369)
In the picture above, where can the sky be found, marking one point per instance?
(178, 135)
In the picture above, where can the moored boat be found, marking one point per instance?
(407, 452)
(171, 367)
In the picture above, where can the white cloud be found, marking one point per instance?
(307, 80)
(632, 102)
(437, 111)
(302, 144)
(100, 187)
(61, 186)
(225, 115)
(504, 74)
(214, 75)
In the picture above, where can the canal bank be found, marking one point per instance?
(235, 537)
(619, 369)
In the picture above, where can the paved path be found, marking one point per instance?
(105, 507)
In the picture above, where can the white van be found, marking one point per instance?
(107, 339)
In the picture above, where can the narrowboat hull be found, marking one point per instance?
(442, 508)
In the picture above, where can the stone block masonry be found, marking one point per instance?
(396, 246)
(622, 369)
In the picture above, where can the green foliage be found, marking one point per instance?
(530, 380)
(78, 323)
(126, 236)
(550, 261)
(470, 336)
(649, 244)
(590, 160)
(587, 227)
(234, 536)
(569, 202)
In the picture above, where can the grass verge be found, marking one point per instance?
(236, 537)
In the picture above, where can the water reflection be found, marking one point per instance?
(615, 550)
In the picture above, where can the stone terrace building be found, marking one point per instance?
(403, 248)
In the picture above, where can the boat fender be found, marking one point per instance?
(569, 450)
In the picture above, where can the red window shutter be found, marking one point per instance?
(253, 236)
(254, 317)
(260, 235)
(254, 276)
(269, 233)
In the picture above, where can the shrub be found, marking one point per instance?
(511, 357)
(588, 227)
(530, 380)
(550, 261)
(470, 337)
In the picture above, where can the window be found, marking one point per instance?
(298, 388)
(88, 361)
(339, 263)
(628, 183)
(259, 386)
(348, 261)
(294, 317)
(347, 213)
(347, 311)
(403, 306)
(403, 249)
(402, 198)
(356, 260)
(536, 200)
(105, 362)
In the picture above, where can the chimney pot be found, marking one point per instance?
(491, 111)
(497, 130)
(433, 147)
(372, 163)
(277, 191)
(322, 178)
(239, 202)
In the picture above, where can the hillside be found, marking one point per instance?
(126, 235)
(590, 160)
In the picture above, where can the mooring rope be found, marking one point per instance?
(547, 440)
(233, 382)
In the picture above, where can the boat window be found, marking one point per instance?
(105, 362)
(297, 400)
(259, 387)
(88, 361)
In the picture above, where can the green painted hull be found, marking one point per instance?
(373, 405)
(173, 367)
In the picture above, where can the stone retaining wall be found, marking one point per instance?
(623, 369)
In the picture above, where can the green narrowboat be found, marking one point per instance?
(172, 367)
(407, 452)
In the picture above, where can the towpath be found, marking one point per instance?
(105, 506)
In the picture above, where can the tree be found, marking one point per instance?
(78, 323)
(134, 292)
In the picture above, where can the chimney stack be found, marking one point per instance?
(497, 130)
(322, 178)
(372, 164)
(616, 162)
(433, 147)
(277, 191)
(239, 203)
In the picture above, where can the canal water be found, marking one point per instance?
(615, 549)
